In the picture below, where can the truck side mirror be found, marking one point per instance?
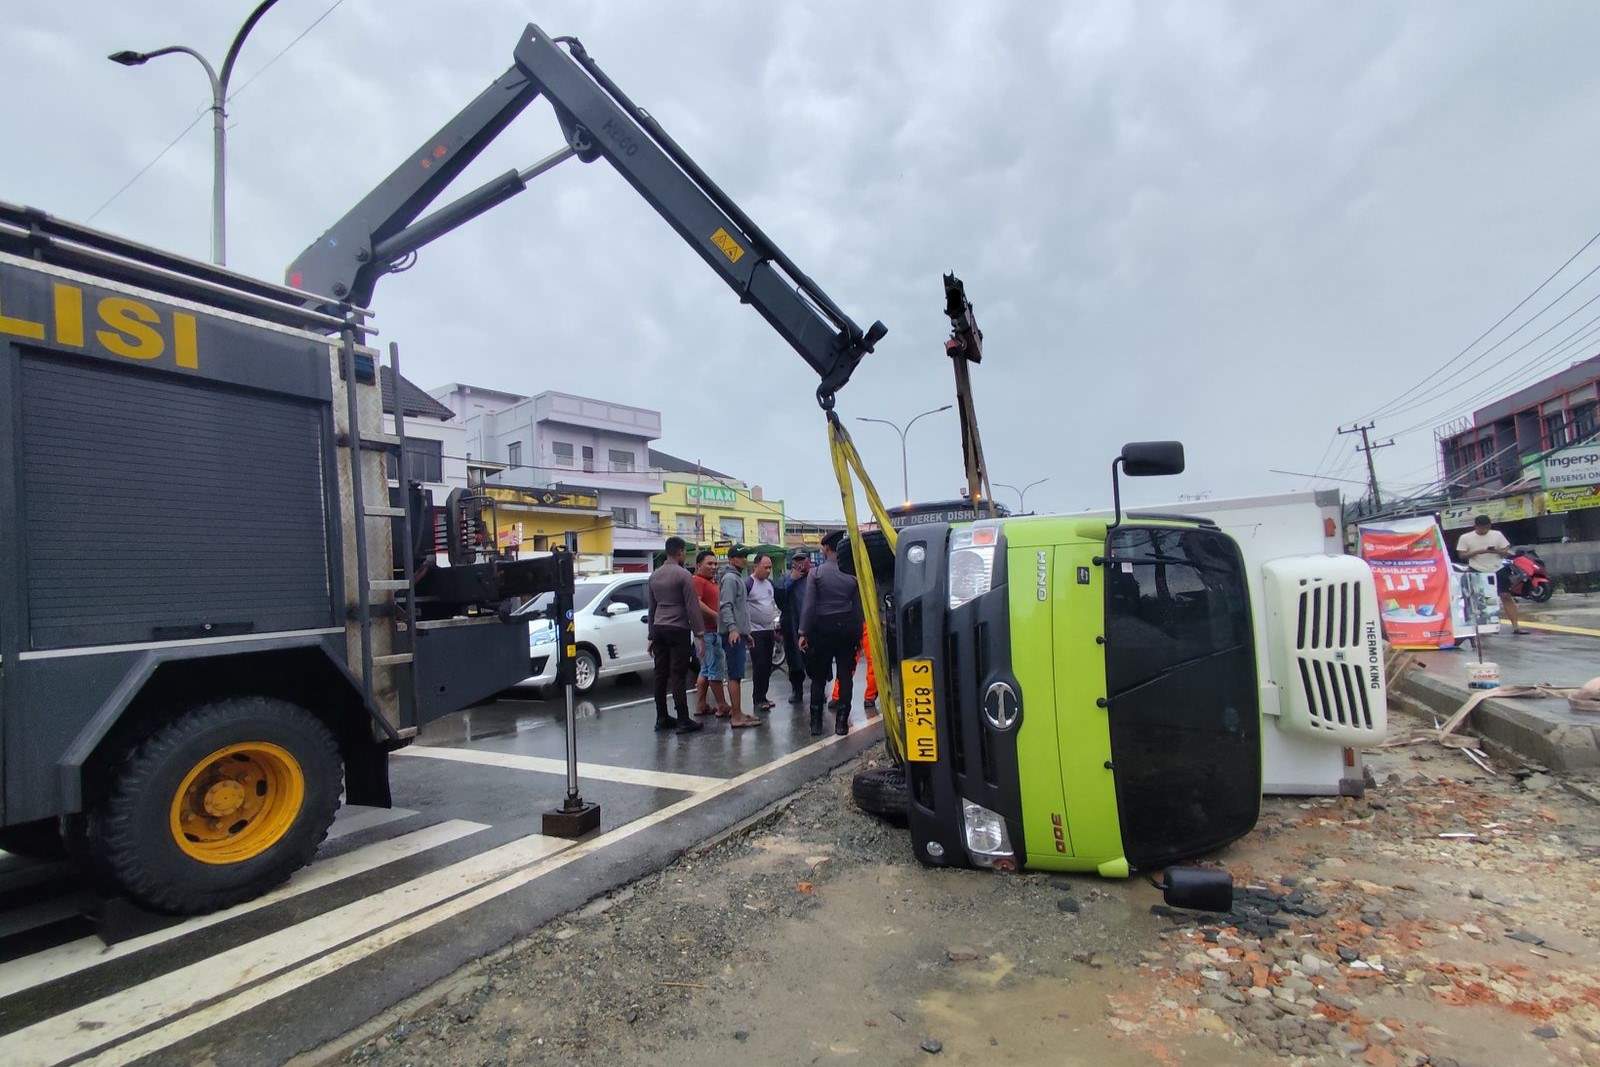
(1143, 459)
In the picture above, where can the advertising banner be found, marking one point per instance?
(1499, 509)
(1413, 575)
(1557, 501)
(1572, 467)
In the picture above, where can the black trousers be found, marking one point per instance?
(670, 649)
(833, 654)
(793, 661)
(763, 641)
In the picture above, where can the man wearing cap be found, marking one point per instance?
(830, 630)
(1486, 550)
(733, 626)
(791, 600)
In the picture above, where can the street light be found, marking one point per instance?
(1022, 494)
(905, 480)
(219, 100)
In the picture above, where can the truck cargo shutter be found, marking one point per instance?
(157, 505)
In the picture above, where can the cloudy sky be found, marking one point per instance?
(1237, 225)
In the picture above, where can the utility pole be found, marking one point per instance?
(1368, 447)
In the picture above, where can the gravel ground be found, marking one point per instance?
(1366, 931)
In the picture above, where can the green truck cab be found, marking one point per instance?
(1087, 693)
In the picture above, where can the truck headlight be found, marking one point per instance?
(546, 636)
(988, 841)
(972, 550)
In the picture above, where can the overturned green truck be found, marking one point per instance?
(1087, 693)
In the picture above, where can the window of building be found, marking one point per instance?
(655, 521)
(625, 516)
(1555, 430)
(424, 460)
(1585, 420)
(689, 526)
(562, 451)
(588, 459)
(732, 528)
(767, 531)
(514, 454)
(621, 461)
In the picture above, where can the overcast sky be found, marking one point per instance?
(1237, 225)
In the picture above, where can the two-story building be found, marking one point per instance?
(1531, 461)
(705, 506)
(568, 443)
(435, 438)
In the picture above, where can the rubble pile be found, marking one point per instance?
(1395, 910)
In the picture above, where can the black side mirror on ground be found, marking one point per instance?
(1143, 459)
(1198, 888)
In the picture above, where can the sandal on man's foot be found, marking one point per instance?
(745, 722)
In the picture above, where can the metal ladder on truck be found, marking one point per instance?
(405, 607)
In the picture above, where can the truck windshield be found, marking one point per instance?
(1180, 674)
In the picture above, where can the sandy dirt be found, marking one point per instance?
(1360, 934)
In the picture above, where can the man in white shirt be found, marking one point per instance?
(1485, 550)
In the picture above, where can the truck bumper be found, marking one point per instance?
(969, 648)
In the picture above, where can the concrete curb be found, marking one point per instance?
(1510, 724)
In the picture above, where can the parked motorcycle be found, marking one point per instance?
(1524, 576)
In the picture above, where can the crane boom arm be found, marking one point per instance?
(598, 121)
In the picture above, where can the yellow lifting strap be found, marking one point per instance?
(845, 459)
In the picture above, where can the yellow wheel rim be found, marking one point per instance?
(237, 802)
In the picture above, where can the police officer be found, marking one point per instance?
(830, 631)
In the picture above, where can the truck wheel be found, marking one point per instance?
(219, 805)
(882, 791)
(585, 670)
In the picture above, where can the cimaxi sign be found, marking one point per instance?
(1573, 466)
(711, 494)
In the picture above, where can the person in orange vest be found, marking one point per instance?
(872, 678)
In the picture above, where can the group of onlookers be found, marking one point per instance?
(739, 612)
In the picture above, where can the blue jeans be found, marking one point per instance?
(714, 665)
(737, 652)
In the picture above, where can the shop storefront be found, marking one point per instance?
(538, 520)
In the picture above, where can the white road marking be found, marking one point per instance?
(689, 783)
(626, 704)
(255, 993)
(90, 1026)
(353, 820)
(74, 956)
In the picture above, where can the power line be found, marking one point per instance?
(1385, 408)
(1530, 372)
(140, 173)
(1445, 388)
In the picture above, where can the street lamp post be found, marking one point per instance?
(905, 477)
(219, 100)
(1022, 494)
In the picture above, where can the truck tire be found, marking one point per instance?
(218, 806)
(881, 791)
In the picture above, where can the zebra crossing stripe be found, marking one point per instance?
(74, 956)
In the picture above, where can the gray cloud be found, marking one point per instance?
(1233, 224)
